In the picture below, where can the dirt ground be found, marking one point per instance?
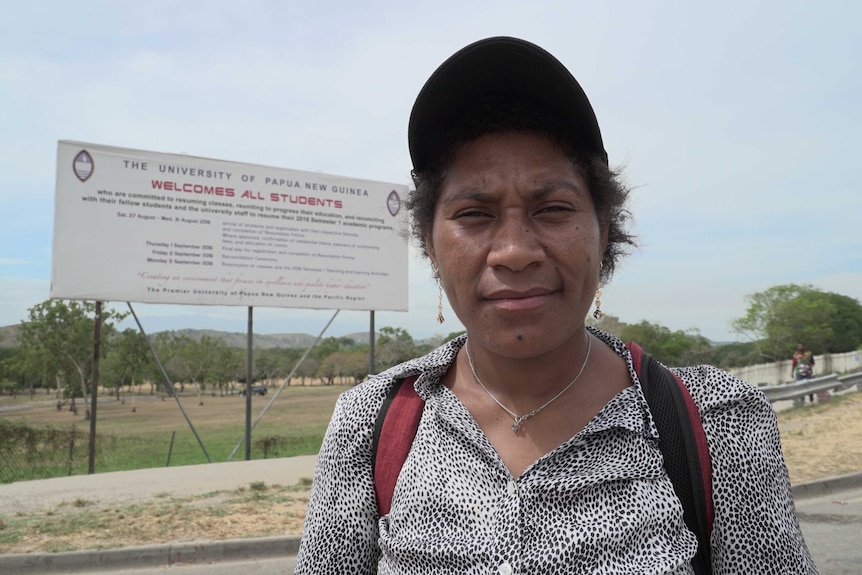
(257, 510)
(824, 439)
(820, 440)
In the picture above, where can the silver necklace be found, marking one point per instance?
(519, 419)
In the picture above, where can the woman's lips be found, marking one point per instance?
(519, 301)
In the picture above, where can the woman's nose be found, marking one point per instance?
(514, 245)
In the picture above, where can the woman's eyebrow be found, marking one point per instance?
(537, 193)
(549, 187)
(468, 193)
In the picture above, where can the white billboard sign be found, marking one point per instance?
(132, 225)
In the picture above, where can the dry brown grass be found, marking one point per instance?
(824, 439)
(255, 511)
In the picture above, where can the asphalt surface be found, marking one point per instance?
(831, 523)
(830, 512)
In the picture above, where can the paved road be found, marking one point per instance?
(832, 525)
(130, 486)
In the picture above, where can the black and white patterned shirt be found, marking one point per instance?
(599, 503)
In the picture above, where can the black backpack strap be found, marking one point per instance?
(394, 431)
(683, 446)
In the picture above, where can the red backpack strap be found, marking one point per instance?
(682, 442)
(394, 431)
(702, 449)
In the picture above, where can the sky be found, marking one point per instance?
(737, 124)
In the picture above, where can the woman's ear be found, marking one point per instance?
(605, 231)
(429, 251)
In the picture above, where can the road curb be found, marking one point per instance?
(827, 486)
(149, 556)
(247, 549)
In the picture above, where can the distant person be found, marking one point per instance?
(802, 364)
(802, 367)
(535, 449)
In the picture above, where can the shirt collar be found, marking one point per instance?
(628, 409)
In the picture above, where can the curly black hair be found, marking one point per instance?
(500, 114)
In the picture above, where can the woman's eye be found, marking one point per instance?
(472, 213)
(554, 208)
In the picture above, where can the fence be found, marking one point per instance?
(40, 453)
(799, 389)
(778, 372)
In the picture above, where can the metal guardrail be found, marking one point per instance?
(799, 389)
(851, 379)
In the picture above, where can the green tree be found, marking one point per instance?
(846, 324)
(223, 364)
(784, 315)
(127, 362)
(12, 376)
(356, 365)
(343, 364)
(729, 355)
(326, 347)
(183, 360)
(308, 369)
(394, 345)
(672, 348)
(269, 365)
(288, 359)
(59, 336)
(806, 318)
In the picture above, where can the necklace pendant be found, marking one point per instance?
(517, 424)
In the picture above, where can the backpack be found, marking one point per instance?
(682, 442)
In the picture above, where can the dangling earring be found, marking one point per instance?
(598, 313)
(440, 318)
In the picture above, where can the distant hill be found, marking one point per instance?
(9, 337)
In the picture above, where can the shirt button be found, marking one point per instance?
(504, 569)
(512, 487)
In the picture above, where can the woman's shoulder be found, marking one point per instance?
(712, 387)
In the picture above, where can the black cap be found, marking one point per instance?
(500, 66)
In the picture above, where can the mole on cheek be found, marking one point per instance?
(519, 337)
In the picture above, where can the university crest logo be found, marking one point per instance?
(393, 203)
(82, 165)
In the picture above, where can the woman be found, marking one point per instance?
(536, 451)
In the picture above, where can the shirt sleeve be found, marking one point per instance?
(340, 533)
(756, 529)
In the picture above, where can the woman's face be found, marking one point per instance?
(517, 243)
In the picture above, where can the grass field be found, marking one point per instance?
(137, 434)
